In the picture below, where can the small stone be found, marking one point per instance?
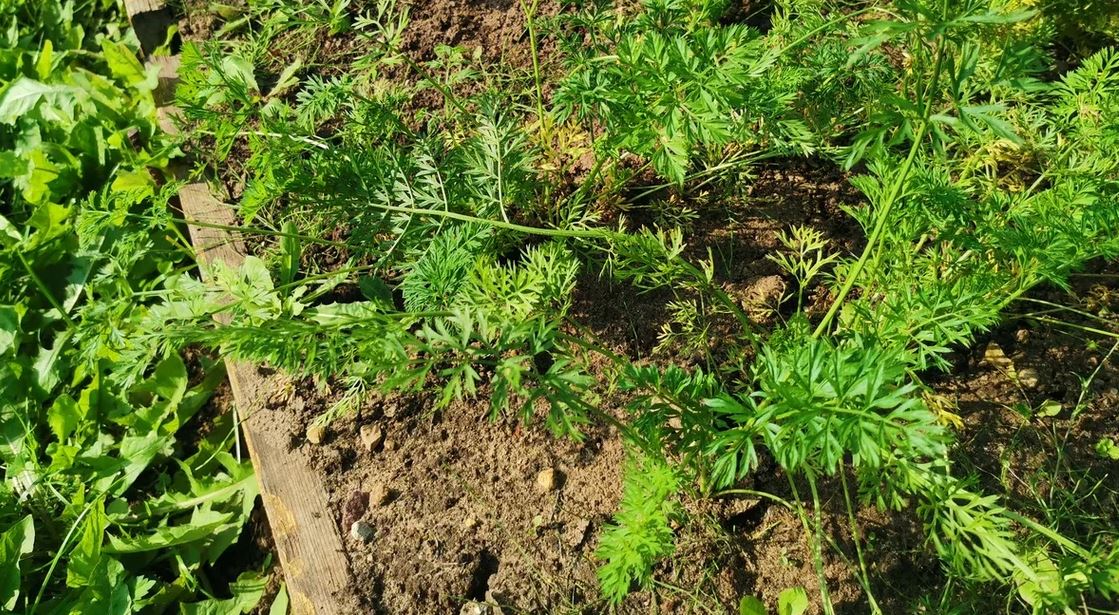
(1021, 335)
(476, 608)
(372, 436)
(469, 523)
(1027, 377)
(316, 433)
(380, 495)
(548, 480)
(362, 531)
(390, 445)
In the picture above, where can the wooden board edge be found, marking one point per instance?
(151, 20)
(308, 541)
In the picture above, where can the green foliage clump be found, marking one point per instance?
(982, 175)
(106, 505)
(642, 530)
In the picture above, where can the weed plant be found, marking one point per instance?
(110, 501)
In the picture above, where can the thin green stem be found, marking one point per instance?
(888, 203)
(530, 23)
(47, 294)
(856, 537)
(875, 234)
(814, 530)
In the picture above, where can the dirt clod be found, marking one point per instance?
(372, 436)
(355, 508)
(549, 479)
(476, 608)
(316, 434)
(380, 495)
(575, 533)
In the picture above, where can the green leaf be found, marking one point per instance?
(202, 526)
(24, 94)
(13, 165)
(124, 66)
(85, 559)
(280, 604)
(792, 601)
(1107, 449)
(750, 605)
(290, 253)
(136, 184)
(239, 69)
(63, 417)
(16, 541)
(9, 329)
(287, 79)
(985, 114)
(375, 289)
(48, 366)
(1049, 408)
(9, 234)
(45, 60)
(168, 381)
(247, 591)
(1043, 583)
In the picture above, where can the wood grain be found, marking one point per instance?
(307, 539)
(150, 19)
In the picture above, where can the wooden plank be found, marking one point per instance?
(151, 20)
(307, 539)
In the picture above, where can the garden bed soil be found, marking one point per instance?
(455, 507)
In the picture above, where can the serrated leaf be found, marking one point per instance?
(17, 541)
(63, 417)
(375, 289)
(247, 591)
(202, 526)
(24, 94)
(126, 67)
(9, 329)
(13, 165)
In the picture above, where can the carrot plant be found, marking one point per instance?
(983, 174)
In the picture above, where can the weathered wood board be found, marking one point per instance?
(307, 539)
(150, 19)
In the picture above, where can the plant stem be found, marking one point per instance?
(530, 22)
(46, 291)
(875, 234)
(857, 539)
(815, 531)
